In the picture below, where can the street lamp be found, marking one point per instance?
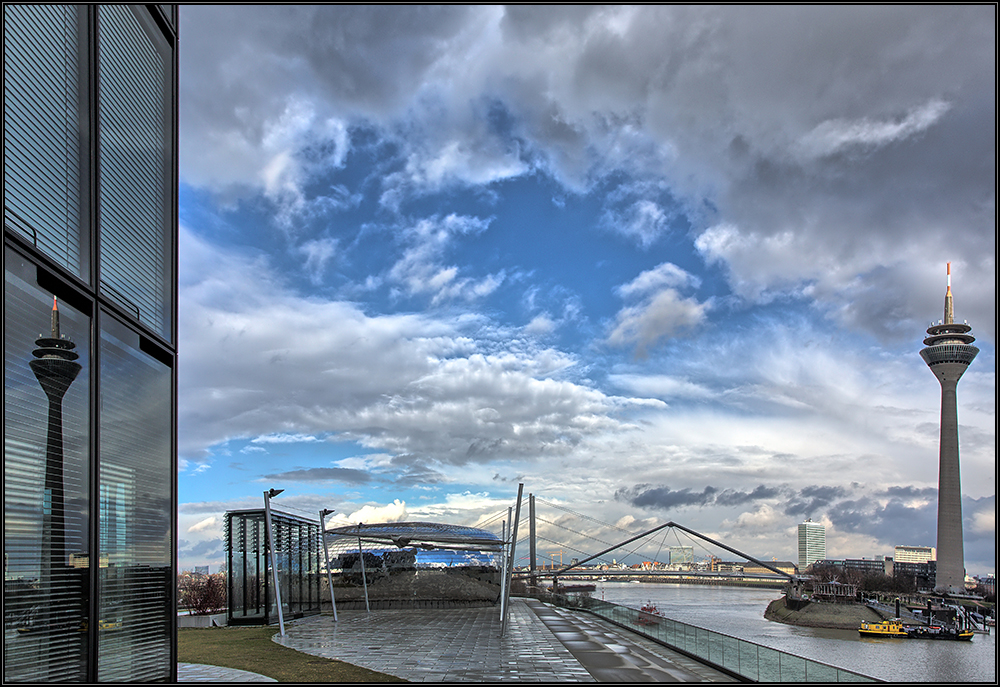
(326, 554)
(364, 574)
(268, 495)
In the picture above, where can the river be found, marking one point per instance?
(739, 612)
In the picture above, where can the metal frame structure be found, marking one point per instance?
(364, 545)
(262, 592)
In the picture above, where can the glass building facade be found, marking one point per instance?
(812, 543)
(90, 246)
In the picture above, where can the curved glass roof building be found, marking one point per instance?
(414, 565)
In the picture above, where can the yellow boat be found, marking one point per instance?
(895, 628)
(886, 628)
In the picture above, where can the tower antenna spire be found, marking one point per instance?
(949, 307)
(55, 317)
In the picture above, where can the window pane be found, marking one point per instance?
(46, 484)
(42, 142)
(136, 205)
(136, 468)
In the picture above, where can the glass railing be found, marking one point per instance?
(737, 656)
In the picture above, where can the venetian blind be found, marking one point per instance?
(42, 152)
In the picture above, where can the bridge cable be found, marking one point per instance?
(587, 536)
(581, 515)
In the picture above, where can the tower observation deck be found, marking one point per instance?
(948, 353)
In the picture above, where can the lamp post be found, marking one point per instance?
(509, 572)
(268, 495)
(326, 555)
(364, 575)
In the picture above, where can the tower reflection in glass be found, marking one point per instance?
(55, 367)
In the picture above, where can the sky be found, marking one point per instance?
(653, 263)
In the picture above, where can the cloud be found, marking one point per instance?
(835, 135)
(371, 514)
(823, 177)
(284, 438)
(662, 386)
(665, 498)
(811, 500)
(318, 253)
(202, 525)
(420, 271)
(664, 275)
(665, 315)
(402, 384)
(828, 164)
(341, 475)
(732, 497)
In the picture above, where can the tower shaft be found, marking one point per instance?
(950, 540)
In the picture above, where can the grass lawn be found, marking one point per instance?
(251, 648)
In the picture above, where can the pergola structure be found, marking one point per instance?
(251, 580)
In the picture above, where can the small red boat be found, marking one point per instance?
(648, 615)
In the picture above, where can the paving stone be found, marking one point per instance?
(464, 645)
(197, 672)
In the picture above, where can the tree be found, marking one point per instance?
(201, 594)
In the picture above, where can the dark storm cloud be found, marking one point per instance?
(910, 492)
(345, 475)
(649, 496)
(813, 500)
(732, 497)
(897, 522)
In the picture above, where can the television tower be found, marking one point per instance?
(949, 352)
(55, 367)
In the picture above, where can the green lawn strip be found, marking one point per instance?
(251, 648)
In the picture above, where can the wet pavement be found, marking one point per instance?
(542, 643)
(197, 672)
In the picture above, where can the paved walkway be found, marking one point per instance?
(197, 672)
(542, 644)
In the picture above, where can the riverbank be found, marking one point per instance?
(831, 616)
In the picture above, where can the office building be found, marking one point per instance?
(812, 543)
(914, 554)
(90, 342)
(948, 353)
(680, 554)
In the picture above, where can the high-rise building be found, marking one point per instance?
(948, 353)
(812, 543)
(680, 554)
(90, 342)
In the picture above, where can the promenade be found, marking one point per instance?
(543, 643)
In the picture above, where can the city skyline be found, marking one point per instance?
(655, 263)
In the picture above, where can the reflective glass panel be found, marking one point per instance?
(136, 206)
(136, 506)
(42, 124)
(46, 483)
